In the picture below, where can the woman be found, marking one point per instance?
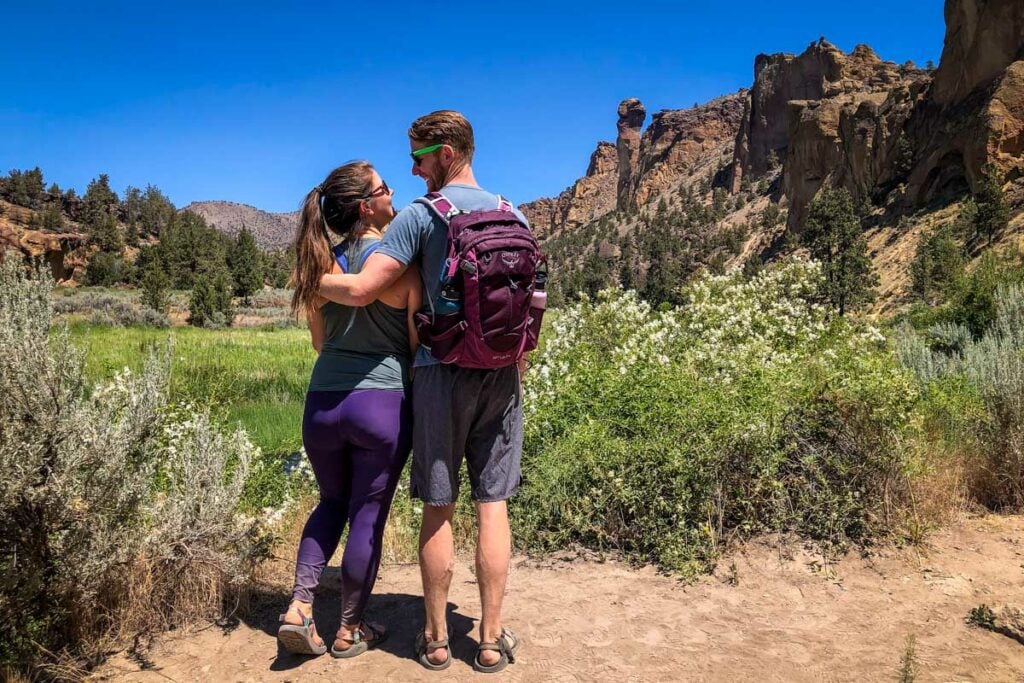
(356, 427)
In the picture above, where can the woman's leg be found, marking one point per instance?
(378, 424)
(322, 437)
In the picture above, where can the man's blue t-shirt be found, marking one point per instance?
(418, 234)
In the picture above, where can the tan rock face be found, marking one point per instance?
(64, 252)
(631, 120)
(589, 198)
(677, 138)
(983, 37)
(822, 71)
(849, 140)
(974, 113)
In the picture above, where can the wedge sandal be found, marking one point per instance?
(359, 643)
(423, 646)
(508, 643)
(299, 639)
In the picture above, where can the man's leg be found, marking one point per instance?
(437, 564)
(493, 458)
(493, 554)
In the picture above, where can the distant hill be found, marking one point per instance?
(271, 230)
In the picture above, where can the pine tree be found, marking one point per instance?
(155, 284)
(52, 218)
(107, 235)
(938, 265)
(201, 305)
(993, 214)
(100, 200)
(834, 237)
(246, 265)
(222, 290)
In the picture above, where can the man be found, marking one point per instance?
(458, 412)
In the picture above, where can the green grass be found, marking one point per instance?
(257, 377)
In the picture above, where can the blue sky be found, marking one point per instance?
(256, 102)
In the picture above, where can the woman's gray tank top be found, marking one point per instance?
(365, 347)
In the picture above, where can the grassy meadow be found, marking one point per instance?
(252, 376)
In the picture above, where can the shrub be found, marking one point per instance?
(107, 310)
(992, 369)
(109, 499)
(662, 433)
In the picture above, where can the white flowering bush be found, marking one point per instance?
(109, 499)
(660, 433)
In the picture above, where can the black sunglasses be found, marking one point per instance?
(381, 190)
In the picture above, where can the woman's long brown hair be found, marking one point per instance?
(333, 205)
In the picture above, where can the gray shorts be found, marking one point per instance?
(462, 413)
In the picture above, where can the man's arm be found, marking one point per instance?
(378, 273)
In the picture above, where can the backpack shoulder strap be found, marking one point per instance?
(439, 204)
(504, 204)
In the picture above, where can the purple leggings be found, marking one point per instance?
(357, 442)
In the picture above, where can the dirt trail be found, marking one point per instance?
(784, 618)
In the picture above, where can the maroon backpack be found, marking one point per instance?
(487, 315)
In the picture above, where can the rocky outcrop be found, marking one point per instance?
(589, 198)
(821, 72)
(974, 113)
(638, 167)
(983, 37)
(677, 138)
(853, 140)
(631, 120)
(64, 252)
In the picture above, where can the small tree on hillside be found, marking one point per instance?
(106, 234)
(246, 265)
(937, 266)
(834, 236)
(52, 218)
(100, 201)
(993, 215)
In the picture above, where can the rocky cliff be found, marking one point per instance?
(65, 252)
(639, 166)
(973, 114)
(903, 140)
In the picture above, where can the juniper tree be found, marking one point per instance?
(246, 265)
(937, 266)
(155, 284)
(833, 235)
(993, 215)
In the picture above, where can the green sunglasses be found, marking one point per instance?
(424, 150)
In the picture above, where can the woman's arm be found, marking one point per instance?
(316, 329)
(414, 302)
(316, 319)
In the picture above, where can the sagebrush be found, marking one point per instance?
(117, 510)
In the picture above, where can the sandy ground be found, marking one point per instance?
(778, 615)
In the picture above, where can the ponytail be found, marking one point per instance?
(331, 207)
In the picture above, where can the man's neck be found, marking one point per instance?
(464, 176)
